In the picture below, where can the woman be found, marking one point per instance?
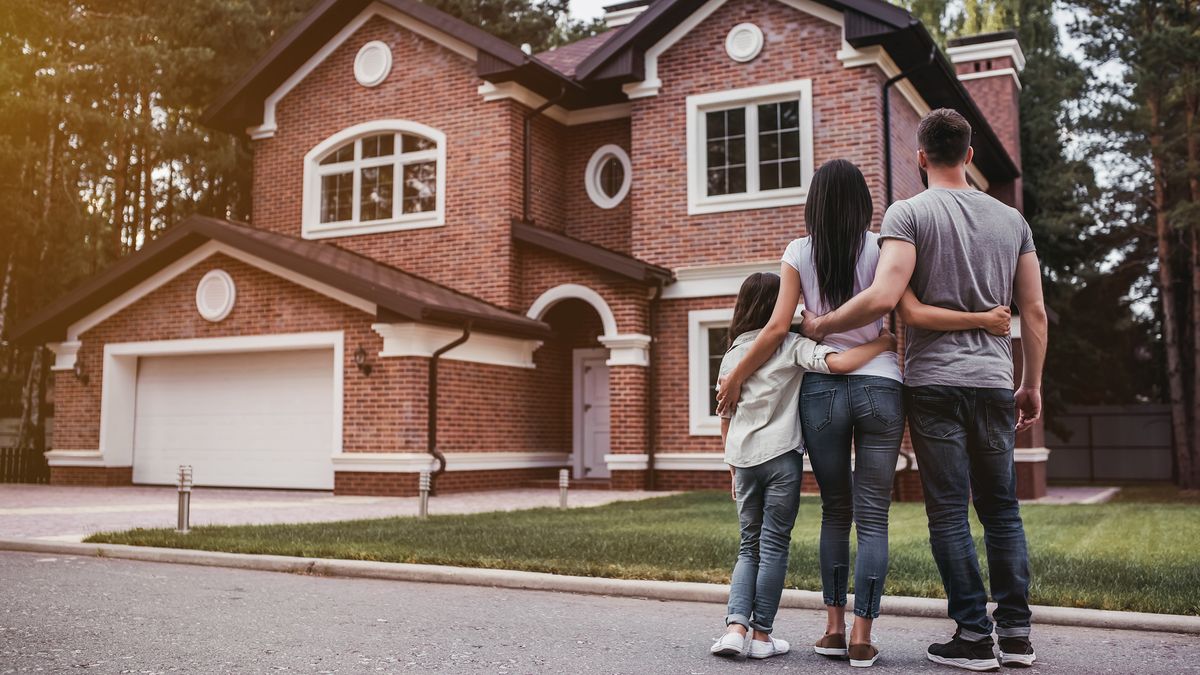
(825, 269)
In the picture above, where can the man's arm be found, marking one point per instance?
(897, 260)
(1027, 292)
(919, 315)
(767, 341)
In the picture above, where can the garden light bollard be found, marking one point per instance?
(423, 490)
(564, 481)
(185, 499)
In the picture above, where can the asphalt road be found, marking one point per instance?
(115, 616)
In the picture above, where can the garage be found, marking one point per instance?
(249, 419)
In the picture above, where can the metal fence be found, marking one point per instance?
(1112, 443)
(17, 466)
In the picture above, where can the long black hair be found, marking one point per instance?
(755, 302)
(837, 215)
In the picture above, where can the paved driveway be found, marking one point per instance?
(60, 613)
(72, 513)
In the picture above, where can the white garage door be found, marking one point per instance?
(260, 419)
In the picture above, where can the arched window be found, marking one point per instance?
(375, 177)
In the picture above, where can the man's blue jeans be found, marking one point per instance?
(836, 410)
(768, 496)
(964, 439)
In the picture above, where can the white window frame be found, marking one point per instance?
(311, 225)
(591, 176)
(699, 202)
(700, 423)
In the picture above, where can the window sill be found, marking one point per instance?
(330, 231)
(761, 200)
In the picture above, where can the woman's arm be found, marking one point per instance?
(767, 341)
(919, 315)
(852, 359)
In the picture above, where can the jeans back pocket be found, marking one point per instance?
(816, 409)
(935, 416)
(1001, 425)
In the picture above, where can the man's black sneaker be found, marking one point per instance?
(1016, 652)
(959, 653)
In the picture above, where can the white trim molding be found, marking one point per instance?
(710, 281)
(562, 292)
(190, 260)
(690, 461)
(698, 200)
(1031, 454)
(988, 50)
(65, 354)
(269, 125)
(75, 458)
(416, 462)
(627, 462)
(651, 84)
(311, 226)
(1002, 72)
(621, 17)
(511, 90)
(119, 385)
(592, 176)
(630, 349)
(422, 340)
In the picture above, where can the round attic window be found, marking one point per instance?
(215, 295)
(373, 63)
(608, 176)
(744, 42)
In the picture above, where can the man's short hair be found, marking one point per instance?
(945, 136)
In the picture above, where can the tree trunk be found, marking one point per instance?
(1191, 105)
(1183, 457)
(31, 432)
(119, 194)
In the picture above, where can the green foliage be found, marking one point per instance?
(1082, 556)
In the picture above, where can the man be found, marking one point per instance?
(961, 249)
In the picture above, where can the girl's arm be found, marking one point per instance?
(919, 315)
(852, 359)
(767, 341)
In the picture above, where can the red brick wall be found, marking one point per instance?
(846, 108)
(605, 227)
(999, 100)
(91, 476)
(431, 85)
(671, 385)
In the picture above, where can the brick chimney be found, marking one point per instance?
(989, 66)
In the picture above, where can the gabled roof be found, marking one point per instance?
(590, 254)
(566, 59)
(396, 293)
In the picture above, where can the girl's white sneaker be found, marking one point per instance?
(765, 650)
(730, 644)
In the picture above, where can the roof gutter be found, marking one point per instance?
(432, 447)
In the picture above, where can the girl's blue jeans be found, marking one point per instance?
(868, 411)
(768, 496)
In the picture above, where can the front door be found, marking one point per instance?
(591, 413)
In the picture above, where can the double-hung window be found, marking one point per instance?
(377, 177)
(749, 148)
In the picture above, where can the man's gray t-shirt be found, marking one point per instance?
(967, 248)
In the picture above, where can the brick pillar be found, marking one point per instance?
(627, 425)
(989, 67)
(1031, 453)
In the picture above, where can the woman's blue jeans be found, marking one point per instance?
(768, 496)
(836, 410)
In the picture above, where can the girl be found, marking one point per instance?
(836, 261)
(763, 449)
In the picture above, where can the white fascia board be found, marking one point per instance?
(514, 91)
(269, 126)
(709, 281)
(191, 259)
(65, 354)
(1002, 72)
(630, 349)
(988, 50)
(422, 340)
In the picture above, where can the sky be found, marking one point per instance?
(589, 9)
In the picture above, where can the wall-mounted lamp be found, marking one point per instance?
(81, 376)
(360, 360)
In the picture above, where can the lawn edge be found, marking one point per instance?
(540, 581)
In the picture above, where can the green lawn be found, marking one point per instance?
(1129, 556)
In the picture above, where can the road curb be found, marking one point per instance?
(540, 581)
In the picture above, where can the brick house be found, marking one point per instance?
(581, 217)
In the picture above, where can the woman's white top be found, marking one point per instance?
(799, 255)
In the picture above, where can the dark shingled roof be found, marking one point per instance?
(396, 293)
(588, 253)
(564, 59)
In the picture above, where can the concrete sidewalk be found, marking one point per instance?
(64, 513)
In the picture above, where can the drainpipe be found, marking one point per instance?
(652, 326)
(433, 406)
(527, 170)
